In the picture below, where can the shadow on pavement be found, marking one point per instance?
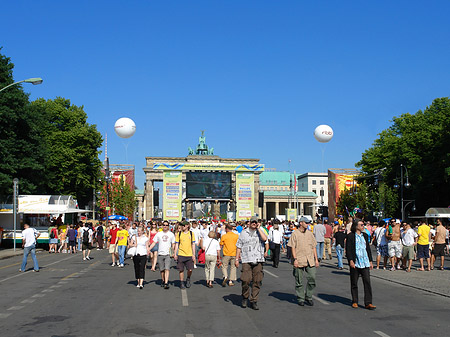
(233, 298)
(288, 297)
(335, 299)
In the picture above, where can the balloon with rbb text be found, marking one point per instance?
(125, 127)
(323, 133)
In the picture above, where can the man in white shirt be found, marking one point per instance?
(197, 234)
(29, 240)
(275, 238)
(409, 240)
(204, 231)
(382, 244)
(166, 242)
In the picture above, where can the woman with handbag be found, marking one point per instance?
(140, 245)
(212, 254)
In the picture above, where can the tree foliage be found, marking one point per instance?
(368, 201)
(47, 144)
(21, 153)
(420, 142)
(121, 198)
(72, 165)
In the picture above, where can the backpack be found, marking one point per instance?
(86, 236)
(179, 236)
(52, 233)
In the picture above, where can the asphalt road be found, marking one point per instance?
(71, 297)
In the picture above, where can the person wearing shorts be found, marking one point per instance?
(439, 245)
(113, 246)
(394, 244)
(382, 245)
(423, 248)
(165, 242)
(409, 240)
(184, 253)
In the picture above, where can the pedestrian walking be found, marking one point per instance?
(29, 241)
(142, 244)
(184, 254)
(359, 258)
(122, 243)
(327, 241)
(166, 243)
(394, 244)
(275, 240)
(99, 236)
(382, 244)
(72, 236)
(212, 255)
(113, 245)
(86, 246)
(319, 234)
(251, 250)
(439, 245)
(339, 240)
(409, 240)
(53, 237)
(305, 262)
(154, 250)
(228, 242)
(423, 245)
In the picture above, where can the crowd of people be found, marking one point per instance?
(226, 245)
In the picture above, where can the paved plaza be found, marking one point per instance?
(71, 297)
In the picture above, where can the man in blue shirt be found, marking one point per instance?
(359, 258)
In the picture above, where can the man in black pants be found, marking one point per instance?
(359, 259)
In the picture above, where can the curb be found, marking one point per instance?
(400, 283)
(18, 252)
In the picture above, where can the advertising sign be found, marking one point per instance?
(208, 167)
(291, 214)
(172, 195)
(245, 195)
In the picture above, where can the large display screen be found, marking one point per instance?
(208, 185)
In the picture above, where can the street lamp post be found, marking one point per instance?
(107, 188)
(407, 184)
(15, 195)
(34, 81)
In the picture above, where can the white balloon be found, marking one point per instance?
(125, 127)
(323, 133)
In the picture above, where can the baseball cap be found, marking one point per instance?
(305, 219)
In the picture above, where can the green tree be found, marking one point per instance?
(121, 198)
(72, 147)
(21, 151)
(420, 142)
(347, 203)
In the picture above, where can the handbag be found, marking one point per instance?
(201, 256)
(202, 253)
(131, 252)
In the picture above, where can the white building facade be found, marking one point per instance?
(316, 183)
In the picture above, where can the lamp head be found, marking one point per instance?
(407, 184)
(34, 80)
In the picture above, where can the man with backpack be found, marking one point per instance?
(86, 235)
(184, 253)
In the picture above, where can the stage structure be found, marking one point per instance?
(227, 184)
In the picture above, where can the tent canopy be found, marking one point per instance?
(435, 212)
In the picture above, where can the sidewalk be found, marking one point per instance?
(6, 253)
(435, 281)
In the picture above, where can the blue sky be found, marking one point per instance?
(258, 76)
